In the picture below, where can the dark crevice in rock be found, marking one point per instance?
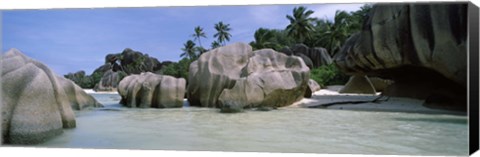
(458, 21)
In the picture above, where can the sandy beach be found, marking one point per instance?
(393, 104)
(91, 91)
(330, 94)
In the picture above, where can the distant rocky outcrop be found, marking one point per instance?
(421, 47)
(152, 90)
(36, 103)
(109, 81)
(313, 57)
(234, 77)
(118, 65)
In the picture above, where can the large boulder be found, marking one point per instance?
(415, 45)
(234, 77)
(76, 77)
(109, 81)
(135, 62)
(77, 97)
(318, 56)
(36, 103)
(358, 85)
(152, 90)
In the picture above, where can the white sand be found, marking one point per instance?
(91, 91)
(393, 104)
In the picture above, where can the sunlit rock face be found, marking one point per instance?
(152, 90)
(36, 103)
(422, 47)
(234, 77)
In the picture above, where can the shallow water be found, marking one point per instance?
(289, 129)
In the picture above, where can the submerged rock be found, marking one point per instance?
(36, 103)
(152, 90)
(234, 77)
(418, 46)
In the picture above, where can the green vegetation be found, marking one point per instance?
(328, 75)
(179, 70)
(303, 28)
(222, 34)
(199, 33)
(189, 50)
(271, 38)
(301, 24)
(314, 32)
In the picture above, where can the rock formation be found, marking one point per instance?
(358, 84)
(109, 81)
(107, 76)
(313, 86)
(234, 77)
(36, 104)
(152, 90)
(77, 97)
(418, 46)
(316, 56)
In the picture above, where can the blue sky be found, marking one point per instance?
(69, 40)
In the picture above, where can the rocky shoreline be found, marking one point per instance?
(331, 95)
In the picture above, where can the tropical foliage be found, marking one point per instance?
(222, 34)
(301, 24)
(271, 38)
(189, 50)
(328, 75)
(313, 32)
(199, 33)
(179, 70)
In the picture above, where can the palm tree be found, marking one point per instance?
(264, 38)
(338, 32)
(222, 34)
(215, 44)
(301, 24)
(189, 50)
(200, 50)
(358, 17)
(198, 34)
(332, 34)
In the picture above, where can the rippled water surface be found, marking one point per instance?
(284, 130)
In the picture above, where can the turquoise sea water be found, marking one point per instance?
(288, 129)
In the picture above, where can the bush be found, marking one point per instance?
(179, 70)
(328, 75)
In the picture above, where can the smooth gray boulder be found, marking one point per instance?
(313, 57)
(423, 46)
(313, 86)
(36, 103)
(109, 81)
(77, 97)
(152, 90)
(359, 85)
(234, 77)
